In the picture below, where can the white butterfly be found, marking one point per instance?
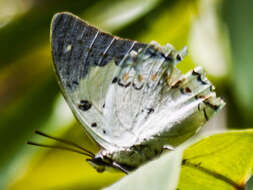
(129, 96)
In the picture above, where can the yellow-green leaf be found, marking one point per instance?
(220, 162)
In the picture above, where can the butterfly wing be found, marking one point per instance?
(154, 101)
(85, 60)
(124, 92)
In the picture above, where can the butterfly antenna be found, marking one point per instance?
(59, 147)
(65, 142)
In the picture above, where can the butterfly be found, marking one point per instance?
(129, 96)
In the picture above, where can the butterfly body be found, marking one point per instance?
(129, 96)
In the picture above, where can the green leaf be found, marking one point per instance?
(159, 174)
(220, 162)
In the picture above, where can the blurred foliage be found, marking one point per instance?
(29, 94)
(237, 17)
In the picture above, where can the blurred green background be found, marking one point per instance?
(218, 34)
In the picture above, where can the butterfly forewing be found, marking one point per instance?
(85, 60)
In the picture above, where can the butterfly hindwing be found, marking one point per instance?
(186, 106)
(154, 101)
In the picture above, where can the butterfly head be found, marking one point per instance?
(102, 163)
(99, 163)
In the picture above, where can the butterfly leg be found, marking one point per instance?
(116, 165)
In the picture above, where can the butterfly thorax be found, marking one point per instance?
(136, 155)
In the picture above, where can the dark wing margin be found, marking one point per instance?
(77, 46)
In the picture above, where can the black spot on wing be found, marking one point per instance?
(150, 110)
(137, 88)
(114, 80)
(188, 90)
(94, 125)
(123, 85)
(84, 105)
(214, 107)
(199, 77)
